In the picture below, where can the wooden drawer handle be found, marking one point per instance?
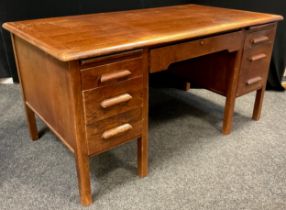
(116, 75)
(116, 131)
(253, 80)
(259, 40)
(116, 100)
(258, 57)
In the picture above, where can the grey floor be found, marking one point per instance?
(192, 165)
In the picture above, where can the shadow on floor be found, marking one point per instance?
(166, 105)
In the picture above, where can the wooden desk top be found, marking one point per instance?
(84, 36)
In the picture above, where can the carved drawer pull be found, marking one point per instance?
(116, 100)
(116, 75)
(258, 57)
(116, 131)
(259, 40)
(253, 80)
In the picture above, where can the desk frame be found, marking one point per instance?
(57, 94)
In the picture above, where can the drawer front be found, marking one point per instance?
(111, 73)
(111, 100)
(254, 70)
(162, 57)
(263, 36)
(111, 132)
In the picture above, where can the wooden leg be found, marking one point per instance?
(258, 104)
(82, 166)
(31, 119)
(231, 93)
(228, 115)
(187, 86)
(142, 144)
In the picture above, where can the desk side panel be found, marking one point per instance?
(46, 88)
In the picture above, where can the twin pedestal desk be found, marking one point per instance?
(86, 76)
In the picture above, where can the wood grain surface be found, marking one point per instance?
(85, 36)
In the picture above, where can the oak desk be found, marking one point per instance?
(86, 76)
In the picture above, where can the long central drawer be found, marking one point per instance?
(162, 57)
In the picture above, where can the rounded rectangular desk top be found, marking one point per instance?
(84, 36)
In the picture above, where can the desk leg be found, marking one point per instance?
(80, 150)
(142, 144)
(231, 94)
(228, 115)
(258, 104)
(31, 120)
(82, 167)
(30, 115)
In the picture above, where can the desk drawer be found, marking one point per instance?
(162, 57)
(254, 70)
(256, 58)
(262, 36)
(108, 133)
(111, 73)
(111, 100)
